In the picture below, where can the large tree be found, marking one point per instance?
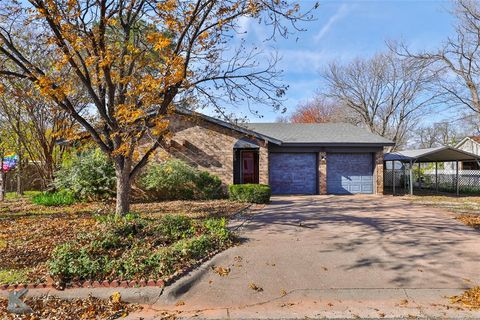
(318, 110)
(385, 93)
(36, 126)
(135, 59)
(438, 134)
(457, 59)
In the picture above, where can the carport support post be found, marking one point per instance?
(419, 177)
(457, 184)
(393, 176)
(411, 177)
(436, 176)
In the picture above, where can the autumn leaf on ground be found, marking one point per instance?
(253, 286)
(221, 271)
(470, 298)
(180, 303)
(116, 297)
(330, 304)
(287, 304)
(238, 259)
(404, 302)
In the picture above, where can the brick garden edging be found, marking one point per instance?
(114, 283)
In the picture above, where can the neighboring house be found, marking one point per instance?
(328, 158)
(472, 145)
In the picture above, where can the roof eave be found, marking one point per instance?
(337, 144)
(229, 125)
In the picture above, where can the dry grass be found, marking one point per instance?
(462, 205)
(470, 298)
(467, 209)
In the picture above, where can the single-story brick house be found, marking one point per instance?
(329, 158)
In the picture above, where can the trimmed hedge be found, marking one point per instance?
(254, 193)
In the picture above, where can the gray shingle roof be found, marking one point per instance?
(318, 133)
(443, 153)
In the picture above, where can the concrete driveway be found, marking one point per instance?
(336, 257)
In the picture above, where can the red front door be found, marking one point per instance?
(249, 167)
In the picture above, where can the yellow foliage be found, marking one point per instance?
(167, 6)
(158, 40)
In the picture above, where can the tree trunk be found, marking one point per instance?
(19, 176)
(19, 163)
(2, 185)
(123, 189)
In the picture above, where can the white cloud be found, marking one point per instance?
(342, 11)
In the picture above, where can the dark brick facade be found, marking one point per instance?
(209, 146)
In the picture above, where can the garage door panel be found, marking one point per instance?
(293, 173)
(349, 173)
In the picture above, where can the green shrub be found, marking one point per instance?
(175, 228)
(54, 199)
(176, 180)
(217, 228)
(194, 248)
(132, 247)
(88, 176)
(72, 262)
(208, 186)
(254, 193)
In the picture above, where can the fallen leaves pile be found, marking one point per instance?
(470, 298)
(194, 209)
(53, 308)
(221, 271)
(29, 240)
(472, 220)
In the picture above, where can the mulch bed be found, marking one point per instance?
(50, 307)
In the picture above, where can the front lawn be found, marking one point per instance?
(136, 247)
(466, 208)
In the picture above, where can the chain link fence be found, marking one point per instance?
(397, 181)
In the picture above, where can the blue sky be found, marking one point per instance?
(344, 30)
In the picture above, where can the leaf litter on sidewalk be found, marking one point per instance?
(53, 308)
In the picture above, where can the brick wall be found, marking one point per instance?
(322, 171)
(209, 147)
(378, 172)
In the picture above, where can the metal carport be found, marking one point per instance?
(431, 155)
